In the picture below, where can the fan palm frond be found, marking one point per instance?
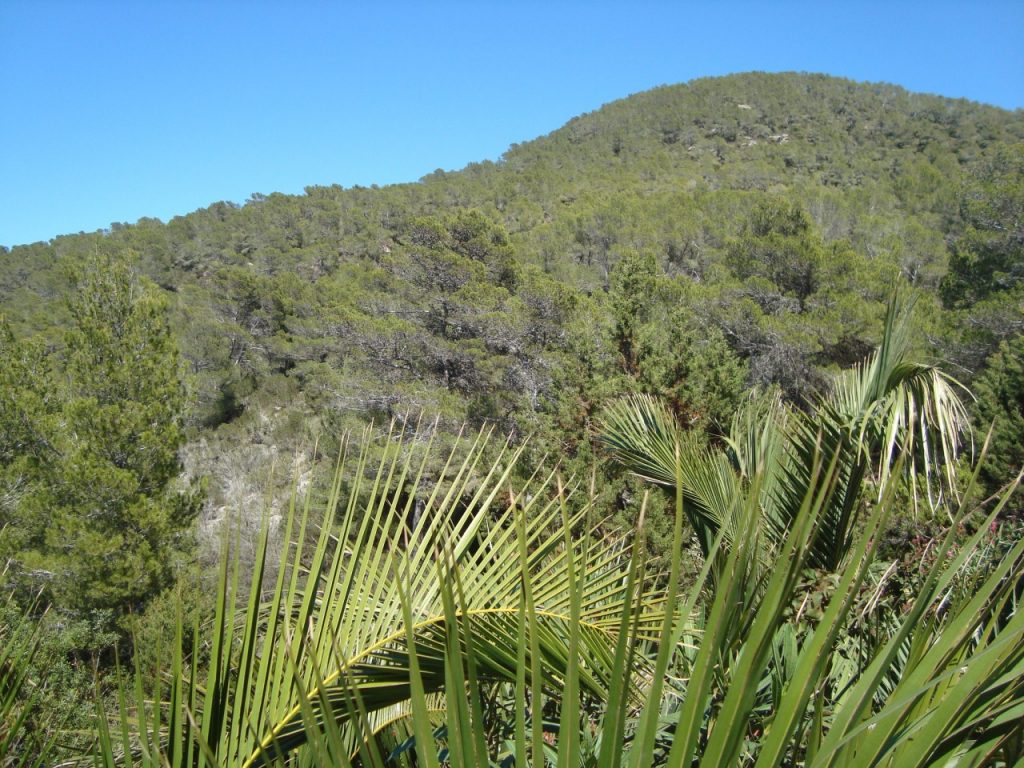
(360, 620)
(882, 408)
(382, 640)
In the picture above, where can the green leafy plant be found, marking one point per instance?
(464, 617)
(885, 408)
(21, 744)
(399, 635)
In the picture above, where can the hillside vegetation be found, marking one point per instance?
(721, 245)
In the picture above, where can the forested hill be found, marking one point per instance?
(694, 241)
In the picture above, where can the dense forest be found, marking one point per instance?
(732, 247)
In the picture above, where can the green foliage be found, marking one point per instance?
(500, 631)
(694, 242)
(780, 246)
(771, 213)
(988, 257)
(633, 294)
(883, 409)
(20, 743)
(56, 658)
(1000, 405)
(94, 429)
(693, 368)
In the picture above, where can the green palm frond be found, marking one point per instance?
(492, 627)
(20, 745)
(645, 437)
(895, 405)
(360, 620)
(884, 408)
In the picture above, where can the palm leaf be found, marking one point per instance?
(384, 635)
(881, 409)
(357, 629)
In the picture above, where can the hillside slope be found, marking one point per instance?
(694, 240)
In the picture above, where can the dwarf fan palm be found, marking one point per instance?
(384, 643)
(884, 407)
(361, 623)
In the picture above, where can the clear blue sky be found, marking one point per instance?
(110, 111)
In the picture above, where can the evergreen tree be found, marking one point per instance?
(633, 285)
(988, 257)
(985, 283)
(1000, 404)
(779, 244)
(89, 474)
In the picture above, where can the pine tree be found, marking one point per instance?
(96, 519)
(1000, 405)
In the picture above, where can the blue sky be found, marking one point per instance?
(111, 111)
